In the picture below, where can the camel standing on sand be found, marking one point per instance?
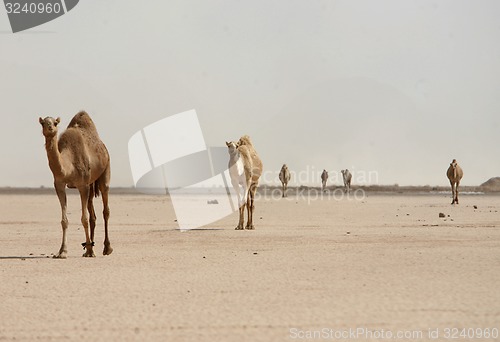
(324, 178)
(347, 176)
(284, 178)
(245, 169)
(454, 174)
(79, 159)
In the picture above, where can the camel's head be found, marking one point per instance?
(284, 167)
(49, 126)
(232, 147)
(454, 163)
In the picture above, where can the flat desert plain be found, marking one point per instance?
(313, 268)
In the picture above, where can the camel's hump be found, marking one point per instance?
(82, 120)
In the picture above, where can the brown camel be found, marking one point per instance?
(324, 179)
(454, 174)
(79, 159)
(284, 178)
(347, 176)
(245, 169)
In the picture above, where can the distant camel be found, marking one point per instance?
(245, 169)
(454, 174)
(284, 178)
(324, 178)
(79, 159)
(347, 180)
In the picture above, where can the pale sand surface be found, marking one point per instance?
(298, 269)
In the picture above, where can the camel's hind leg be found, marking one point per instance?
(251, 206)
(61, 194)
(84, 197)
(92, 216)
(242, 203)
(241, 192)
(104, 188)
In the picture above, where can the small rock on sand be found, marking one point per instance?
(442, 215)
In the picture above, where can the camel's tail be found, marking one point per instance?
(96, 188)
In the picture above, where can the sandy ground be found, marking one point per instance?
(400, 268)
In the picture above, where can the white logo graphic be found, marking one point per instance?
(170, 156)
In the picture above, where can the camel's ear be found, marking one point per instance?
(227, 144)
(40, 120)
(57, 121)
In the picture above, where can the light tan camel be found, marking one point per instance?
(347, 176)
(454, 174)
(79, 159)
(324, 178)
(284, 178)
(245, 169)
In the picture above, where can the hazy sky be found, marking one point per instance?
(394, 87)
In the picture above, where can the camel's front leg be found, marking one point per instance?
(88, 244)
(61, 194)
(283, 189)
(456, 192)
(92, 216)
(452, 192)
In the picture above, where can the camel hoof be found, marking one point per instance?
(238, 228)
(60, 255)
(107, 250)
(250, 227)
(88, 254)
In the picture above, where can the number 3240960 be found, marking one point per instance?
(470, 333)
(32, 8)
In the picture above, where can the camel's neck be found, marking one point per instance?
(54, 156)
(233, 157)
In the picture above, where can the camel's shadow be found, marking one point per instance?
(197, 229)
(24, 257)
